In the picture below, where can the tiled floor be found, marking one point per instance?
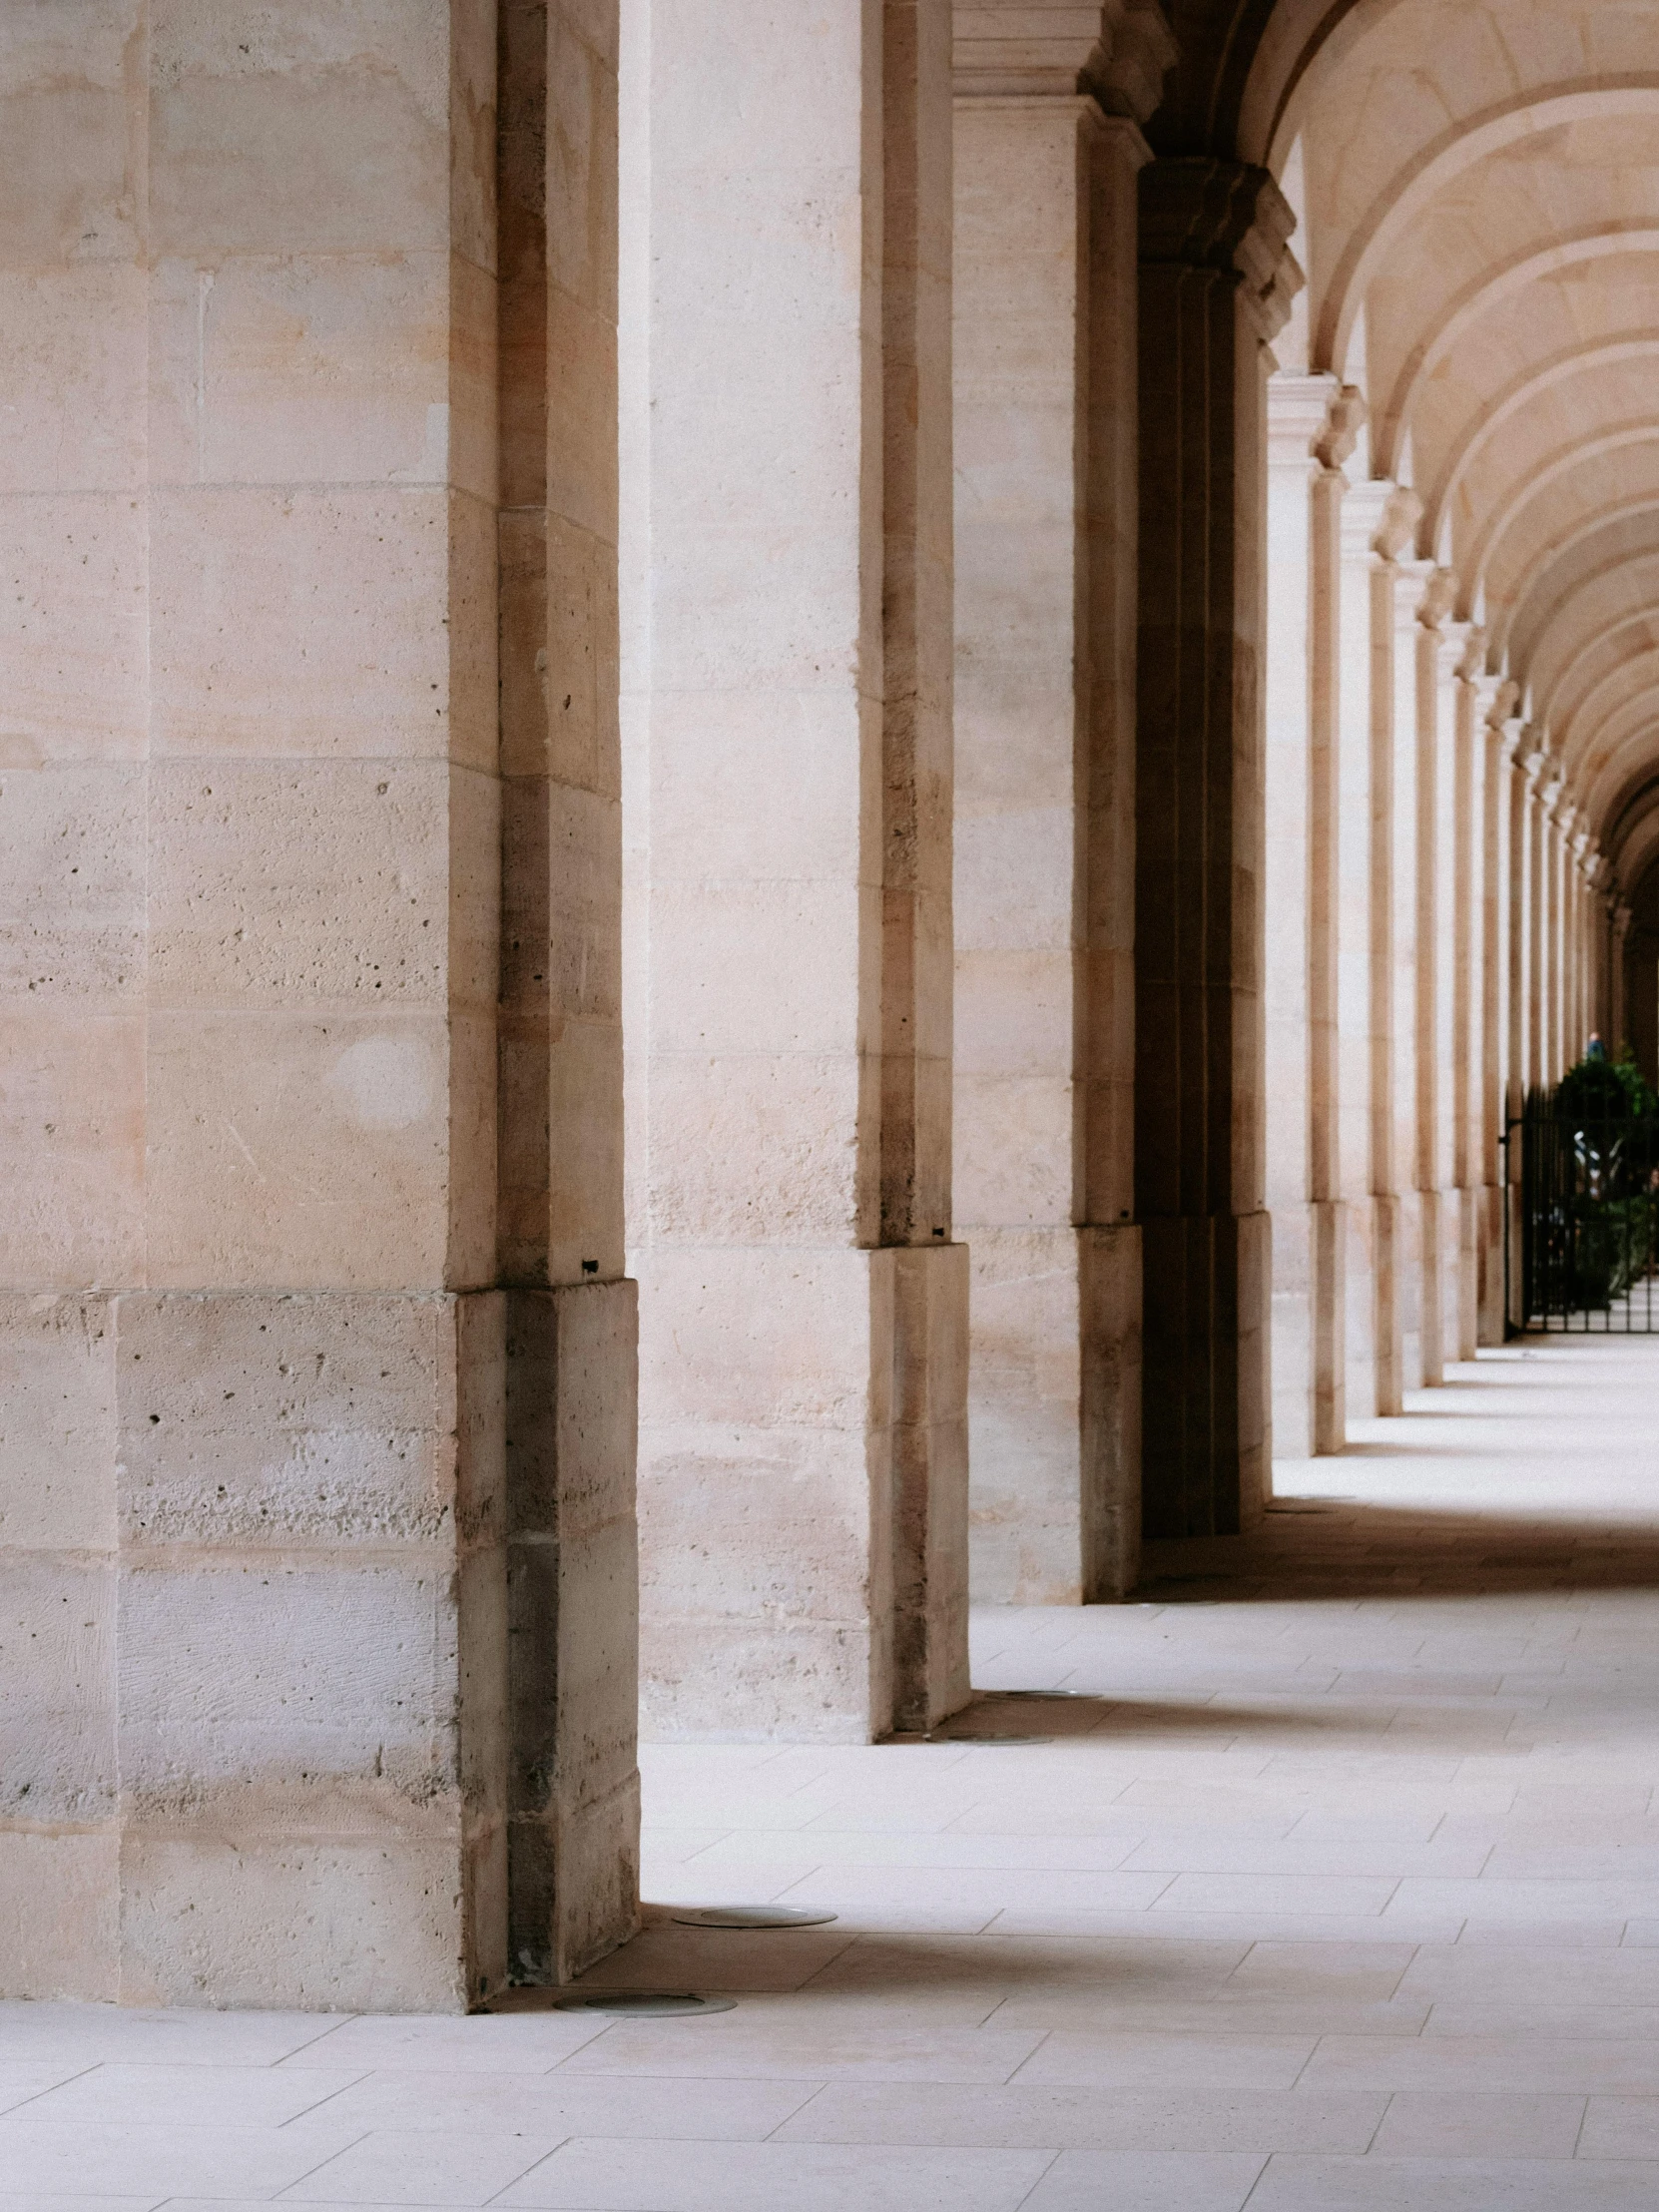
(1337, 1889)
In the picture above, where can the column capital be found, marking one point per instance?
(1500, 711)
(1298, 418)
(1471, 668)
(1397, 522)
(1198, 213)
(1115, 51)
(1345, 419)
(1439, 596)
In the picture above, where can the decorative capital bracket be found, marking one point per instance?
(1117, 52)
(1201, 214)
(1396, 526)
(1345, 419)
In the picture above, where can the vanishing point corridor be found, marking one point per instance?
(1331, 1883)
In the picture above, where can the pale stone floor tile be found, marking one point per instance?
(60, 2158)
(1300, 2185)
(188, 2096)
(562, 2104)
(1621, 2128)
(796, 2043)
(1145, 2182)
(35, 2201)
(1428, 2124)
(482, 2043)
(21, 2083)
(1185, 2119)
(767, 2177)
(406, 2166)
(1535, 2064)
(90, 2034)
(1135, 2059)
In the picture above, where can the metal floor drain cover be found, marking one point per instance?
(751, 1915)
(1033, 1693)
(644, 2005)
(990, 1739)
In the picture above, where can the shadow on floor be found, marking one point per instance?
(1342, 1548)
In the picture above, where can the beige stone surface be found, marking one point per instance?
(1332, 1884)
(786, 290)
(253, 1479)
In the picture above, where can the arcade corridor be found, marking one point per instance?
(1334, 1888)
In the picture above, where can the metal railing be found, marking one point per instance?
(1581, 1229)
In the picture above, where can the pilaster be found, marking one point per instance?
(1216, 279)
(1312, 426)
(804, 1305)
(1047, 150)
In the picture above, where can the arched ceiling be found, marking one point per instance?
(1480, 185)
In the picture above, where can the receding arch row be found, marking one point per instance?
(1393, 419)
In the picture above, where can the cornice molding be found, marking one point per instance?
(1224, 216)
(1116, 51)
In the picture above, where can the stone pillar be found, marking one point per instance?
(1410, 959)
(1047, 150)
(1216, 275)
(1312, 426)
(1459, 990)
(1365, 818)
(803, 1494)
(1494, 920)
(1552, 961)
(1438, 647)
(571, 1312)
(273, 1435)
(1582, 1020)
(1535, 908)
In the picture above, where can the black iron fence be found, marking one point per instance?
(1581, 1231)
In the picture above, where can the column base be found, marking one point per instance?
(1309, 1386)
(803, 1490)
(1489, 1202)
(1206, 1435)
(285, 1521)
(1054, 1415)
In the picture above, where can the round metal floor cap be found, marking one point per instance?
(751, 1915)
(1032, 1693)
(644, 2005)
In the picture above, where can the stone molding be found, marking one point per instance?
(1439, 596)
(1313, 419)
(1471, 668)
(1226, 217)
(1396, 524)
(1117, 52)
(1346, 418)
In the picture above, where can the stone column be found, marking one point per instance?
(1553, 978)
(1438, 647)
(803, 1495)
(1534, 908)
(1047, 150)
(1410, 955)
(1461, 880)
(280, 1437)
(1494, 919)
(1312, 426)
(1365, 818)
(1215, 276)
